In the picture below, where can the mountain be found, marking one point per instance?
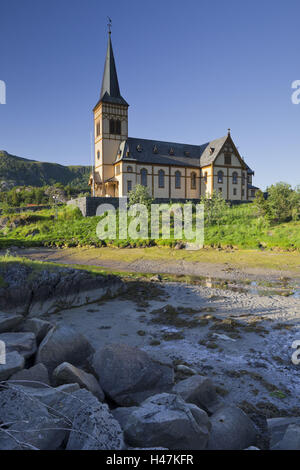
(18, 171)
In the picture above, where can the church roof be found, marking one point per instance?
(110, 90)
(212, 150)
(158, 152)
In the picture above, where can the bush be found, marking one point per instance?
(140, 195)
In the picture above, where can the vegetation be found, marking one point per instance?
(282, 204)
(17, 171)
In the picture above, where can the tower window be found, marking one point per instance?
(205, 177)
(129, 169)
(118, 127)
(98, 129)
(193, 180)
(234, 177)
(220, 177)
(112, 126)
(177, 180)
(98, 155)
(129, 186)
(161, 179)
(144, 174)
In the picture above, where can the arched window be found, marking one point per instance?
(118, 127)
(205, 177)
(177, 180)
(220, 177)
(193, 180)
(129, 169)
(98, 155)
(161, 179)
(234, 177)
(144, 174)
(98, 128)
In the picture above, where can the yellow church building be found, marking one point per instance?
(169, 170)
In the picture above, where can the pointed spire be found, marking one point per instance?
(110, 91)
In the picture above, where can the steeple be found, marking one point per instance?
(110, 91)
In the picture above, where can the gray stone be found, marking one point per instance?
(23, 343)
(122, 414)
(63, 344)
(232, 429)
(9, 321)
(28, 426)
(165, 420)
(200, 391)
(278, 426)
(93, 425)
(14, 363)
(51, 397)
(35, 377)
(67, 373)
(37, 326)
(290, 440)
(128, 375)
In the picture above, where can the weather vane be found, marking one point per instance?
(109, 24)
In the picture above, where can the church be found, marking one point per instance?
(170, 170)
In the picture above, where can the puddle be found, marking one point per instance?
(282, 287)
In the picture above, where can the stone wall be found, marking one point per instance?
(88, 205)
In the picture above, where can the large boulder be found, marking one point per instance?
(200, 391)
(94, 427)
(28, 426)
(37, 326)
(63, 344)
(232, 429)
(35, 377)
(290, 440)
(23, 343)
(9, 321)
(128, 375)
(67, 373)
(14, 363)
(165, 420)
(277, 428)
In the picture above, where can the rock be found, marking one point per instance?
(14, 363)
(291, 439)
(122, 414)
(8, 322)
(252, 448)
(37, 326)
(200, 391)
(278, 426)
(128, 375)
(67, 373)
(231, 430)
(165, 420)
(51, 397)
(28, 426)
(23, 343)
(63, 344)
(30, 377)
(185, 369)
(94, 427)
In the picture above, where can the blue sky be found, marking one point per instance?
(189, 70)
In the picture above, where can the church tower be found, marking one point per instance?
(110, 127)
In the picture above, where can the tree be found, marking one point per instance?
(140, 195)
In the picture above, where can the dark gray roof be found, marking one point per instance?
(110, 90)
(212, 150)
(158, 152)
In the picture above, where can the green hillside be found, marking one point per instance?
(17, 171)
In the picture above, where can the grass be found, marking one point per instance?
(240, 238)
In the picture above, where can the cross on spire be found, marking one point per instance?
(109, 24)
